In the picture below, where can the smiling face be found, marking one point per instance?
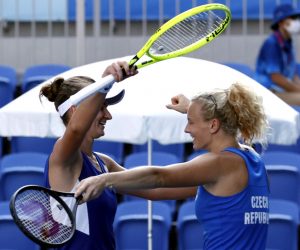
(199, 128)
(97, 128)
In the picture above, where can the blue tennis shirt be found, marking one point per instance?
(275, 56)
(94, 219)
(239, 221)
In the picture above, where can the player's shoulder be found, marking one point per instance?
(272, 40)
(108, 161)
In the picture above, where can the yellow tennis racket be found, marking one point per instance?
(184, 33)
(181, 35)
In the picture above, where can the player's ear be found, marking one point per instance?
(72, 109)
(214, 125)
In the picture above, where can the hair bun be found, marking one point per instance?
(51, 90)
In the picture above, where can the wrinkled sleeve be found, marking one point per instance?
(272, 57)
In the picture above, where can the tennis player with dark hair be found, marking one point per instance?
(276, 65)
(73, 159)
(230, 181)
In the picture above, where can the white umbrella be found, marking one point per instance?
(142, 115)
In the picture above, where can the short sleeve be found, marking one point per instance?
(272, 57)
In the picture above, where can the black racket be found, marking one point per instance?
(43, 215)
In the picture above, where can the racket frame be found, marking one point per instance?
(54, 194)
(214, 34)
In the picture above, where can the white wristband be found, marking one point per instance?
(106, 88)
(104, 85)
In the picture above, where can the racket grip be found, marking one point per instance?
(84, 93)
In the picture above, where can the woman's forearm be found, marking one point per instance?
(138, 178)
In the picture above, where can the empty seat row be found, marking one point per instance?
(11, 236)
(114, 149)
(20, 169)
(283, 168)
(131, 227)
(33, 76)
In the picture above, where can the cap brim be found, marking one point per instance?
(274, 24)
(115, 99)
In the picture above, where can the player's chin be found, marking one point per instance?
(196, 146)
(99, 134)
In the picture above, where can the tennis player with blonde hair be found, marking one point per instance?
(230, 181)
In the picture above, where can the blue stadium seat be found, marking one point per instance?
(158, 158)
(281, 158)
(11, 237)
(131, 225)
(241, 67)
(195, 154)
(288, 148)
(8, 84)
(284, 182)
(37, 74)
(176, 148)
(21, 144)
(24, 159)
(32, 144)
(297, 108)
(17, 170)
(283, 223)
(112, 149)
(1, 146)
(62, 10)
(169, 9)
(189, 229)
(141, 159)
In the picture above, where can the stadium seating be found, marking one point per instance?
(113, 149)
(189, 229)
(176, 149)
(34, 75)
(20, 169)
(281, 158)
(32, 144)
(254, 10)
(289, 148)
(195, 154)
(283, 166)
(131, 225)
(241, 67)
(66, 10)
(24, 159)
(158, 158)
(284, 182)
(283, 221)
(11, 237)
(1, 146)
(8, 84)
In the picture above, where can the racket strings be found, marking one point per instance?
(187, 32)
(35, 212)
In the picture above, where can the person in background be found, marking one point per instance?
(276, 65)
(230, 181)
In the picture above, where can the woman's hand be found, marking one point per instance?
(179, 103)
(90, 188)
(120, 70)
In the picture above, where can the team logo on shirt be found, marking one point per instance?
(259, 204)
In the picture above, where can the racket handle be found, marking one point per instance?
(105, 82)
